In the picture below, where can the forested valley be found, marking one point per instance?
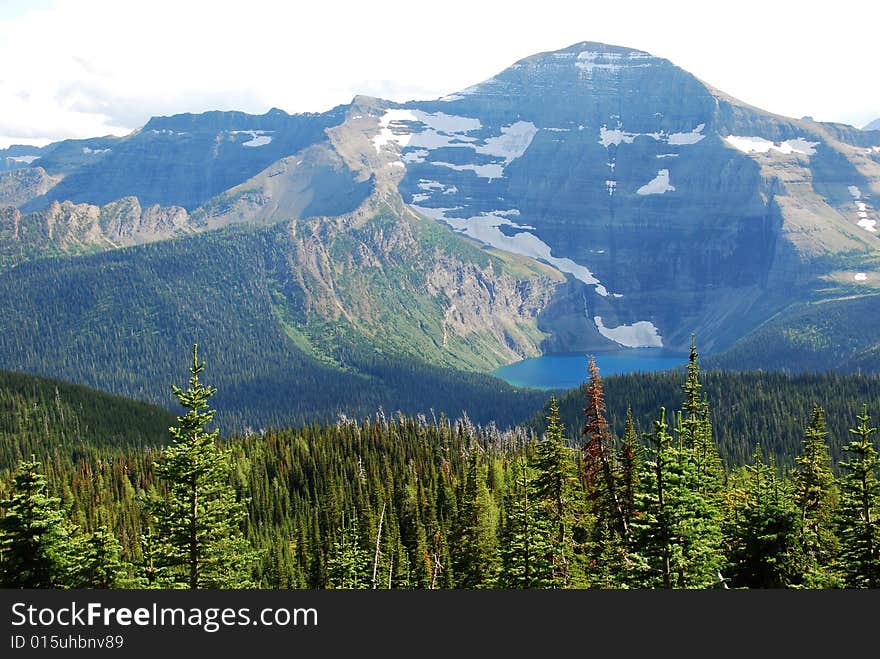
(685, 479)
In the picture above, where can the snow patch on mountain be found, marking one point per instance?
(658, 185)
(425, 132)
(752, 144)
(618, 136)
(418, 155)
(862, 210)
(691, 137)
(641, 334)
(615, 136)
(589, 61)
(488, 171)
(512, 143)
(258, 137)
(486, 228)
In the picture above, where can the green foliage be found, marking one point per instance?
(349, 563)
(770, 409)
(201, 542)
(815, 495)
(33, 534)
(257, 304)
(812, 337)
(858, 517)
(764, 545)
(529, 557)
(418, 502)
(676, 536)
(558, 490)
(474, 549)
(43, 417)
(96, 561)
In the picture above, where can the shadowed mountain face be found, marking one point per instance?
(591, 198)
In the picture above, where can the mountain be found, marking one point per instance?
(585, 199)
(874, 125)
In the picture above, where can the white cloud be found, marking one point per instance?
(90, 67)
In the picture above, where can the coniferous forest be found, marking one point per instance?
(613, 487)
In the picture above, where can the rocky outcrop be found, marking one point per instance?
(68, 228)
(403, 286)
(20, 185)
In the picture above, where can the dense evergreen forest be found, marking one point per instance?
(767, 408)
(683, 493)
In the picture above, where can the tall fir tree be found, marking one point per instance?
(816, 498)
(97, 562)
(33, 534)
(556, 488)
(474, 552)
(527, 551)
(858, 519)
(629, 457)
(348, 566)
(677, 538)
(201, 543)
(651, 537)
(695, 429)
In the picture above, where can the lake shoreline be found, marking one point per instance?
(569, 370)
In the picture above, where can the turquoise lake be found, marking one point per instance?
(570, 370)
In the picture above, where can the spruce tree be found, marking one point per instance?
(859, 513)
(97, 561)
(629, 457)
(651, 537)
(348, 566)
(556, 490)
(33, 534)
(474, 553)
(816, 495)
(201, 544)
(695, 429)
(676, 530)
(763, 530)
(527, 552)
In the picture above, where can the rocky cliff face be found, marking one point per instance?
(384, 276)
(20, 185)
(68, 228)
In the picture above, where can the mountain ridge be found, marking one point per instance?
(586, 199)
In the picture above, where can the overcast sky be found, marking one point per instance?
(83, 68)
